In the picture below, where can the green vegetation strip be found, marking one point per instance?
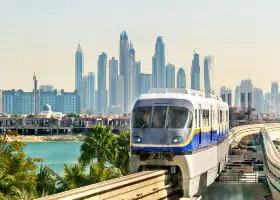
(19, 181)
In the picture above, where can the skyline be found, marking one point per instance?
(242, 42)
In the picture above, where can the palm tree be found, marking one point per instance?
(123, 160)
(46, 181)
(100, 144)
(99, 174)
(6, 181)
(74, 176)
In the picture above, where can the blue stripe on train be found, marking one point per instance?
(193, 145)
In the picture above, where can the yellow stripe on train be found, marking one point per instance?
(196, 131)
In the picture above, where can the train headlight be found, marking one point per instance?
(177, 140)
(136, 139)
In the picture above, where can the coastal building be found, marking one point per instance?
(48, 113)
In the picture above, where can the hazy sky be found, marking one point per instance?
(42, 36)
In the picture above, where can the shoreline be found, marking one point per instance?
(53, 138)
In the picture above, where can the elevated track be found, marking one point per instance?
(142, 185)
(149, 184)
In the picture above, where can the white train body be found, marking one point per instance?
(183, 131)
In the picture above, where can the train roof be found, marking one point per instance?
(182, 93)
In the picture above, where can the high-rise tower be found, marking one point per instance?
(181, 78)
(102, 92)
(208, 60)
(170, 76)
(124, 62)
(113, 76)
(195, 73)
(159, 64)
(79, 66)
(79, 70)
(274, 94)
(131, 78)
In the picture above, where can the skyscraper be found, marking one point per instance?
(137, 68)
(113, 75)
(84, 94)
(131, 79)
(91, 88)
(102, 92)
(267, 102)
(208, 60)
(154, 72)
(137, 78)
(159, 64)
(79, 70)
(124, 48)
(170, 76)
(274, 94)
(195, 73)
(120, 92)
(181, 78)
(246, 89)
(87, 93)
(226, 95)
(145, 83)
(237, 96)
(79, 66)
(258, 100)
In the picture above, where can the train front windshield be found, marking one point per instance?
(161, 117)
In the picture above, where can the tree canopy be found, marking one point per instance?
(17, 173)
(104, 156)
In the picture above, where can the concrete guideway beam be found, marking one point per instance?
(150, 184)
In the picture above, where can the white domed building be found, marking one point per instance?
(48, 113)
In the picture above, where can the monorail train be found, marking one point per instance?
(182, 131)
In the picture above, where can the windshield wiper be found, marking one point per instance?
(143, 127)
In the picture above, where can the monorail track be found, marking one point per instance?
(143, 185)
(146, 185)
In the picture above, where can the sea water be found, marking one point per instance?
(55, 154)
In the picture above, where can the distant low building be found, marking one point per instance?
(48, 113)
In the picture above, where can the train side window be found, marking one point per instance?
(211, 118)
(195, 114)
(221, 116)
(199, 118)
(190, 123)
(218, 116)
(226, 116)
(205, 117)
